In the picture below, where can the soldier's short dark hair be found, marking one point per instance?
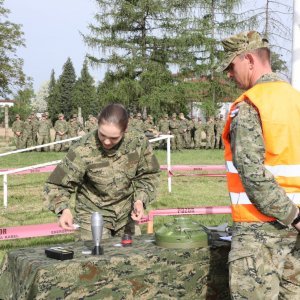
(116, 114)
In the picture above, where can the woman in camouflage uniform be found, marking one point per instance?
(112, 171)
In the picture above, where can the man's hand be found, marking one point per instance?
(66, 220)
(138, 210)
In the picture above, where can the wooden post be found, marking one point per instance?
(80, 119)
(6, 122)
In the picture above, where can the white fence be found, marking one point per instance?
(19, 170)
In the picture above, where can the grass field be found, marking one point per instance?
(26, 206)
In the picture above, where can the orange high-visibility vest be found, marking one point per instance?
(278, 105)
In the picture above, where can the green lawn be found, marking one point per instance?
(25, 202)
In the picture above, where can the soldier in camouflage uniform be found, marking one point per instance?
(174, 130)
(264, 260)
(91, 124)
(198, 134)
(50, 125)
(112, 171)
(27, 133)
(163, 127)
(138, 123)
(150, 128)
(183, 127)
(73, 126)
(43, 133)
(210, 133)
(17, 128)
(61, 130)
(35, 124)
(219, 126)
(130, 121)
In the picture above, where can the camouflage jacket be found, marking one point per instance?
(61, 126)
(163, 126)
(73, 128)
(104, 181)
(43, 127)
(248, 149)
(18, 126)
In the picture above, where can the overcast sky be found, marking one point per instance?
(51, 30)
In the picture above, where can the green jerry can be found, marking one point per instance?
(182, 233)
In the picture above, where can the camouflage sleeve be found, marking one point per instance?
(147, 178)
(248, 150)
(63, 181)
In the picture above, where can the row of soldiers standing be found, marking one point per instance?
(188, 133)
(34, 131)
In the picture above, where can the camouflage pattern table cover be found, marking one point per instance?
(142, 271)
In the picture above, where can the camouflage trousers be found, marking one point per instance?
(43, 139)
(268, 269)
(61, 146)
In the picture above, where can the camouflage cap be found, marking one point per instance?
(17, 116)
(74, 116)
(239, 43)
(46, 113)
(138, 114)
(166, 116)
(60, 115)
(174, 115)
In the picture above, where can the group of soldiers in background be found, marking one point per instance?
(188, 133)
(34, 131)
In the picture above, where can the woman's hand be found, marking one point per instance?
(66, 220)
(138, 210)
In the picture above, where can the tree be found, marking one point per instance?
(144, 41)
(23, 99)
(85, 95)
(66, 84)
(273, 18)
(140, 39)
(53, 102)
(11, 66)
(39, 102)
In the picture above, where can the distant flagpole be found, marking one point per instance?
(296, 46)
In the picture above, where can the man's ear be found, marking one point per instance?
(250, 58)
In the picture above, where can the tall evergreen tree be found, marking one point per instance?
(66, 84)
(144, 41)
(53, 103)
(85, 95)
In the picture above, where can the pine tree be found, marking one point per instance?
(53, 103)
(84, 95)
(144, 42)
(66, 84)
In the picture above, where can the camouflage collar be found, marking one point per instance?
(269, 78)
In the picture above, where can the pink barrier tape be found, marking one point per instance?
(162, 167)
(203, 175)
(36, 170)
(20, 232)
(27, 231)
(194, 167)
(205, 210)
